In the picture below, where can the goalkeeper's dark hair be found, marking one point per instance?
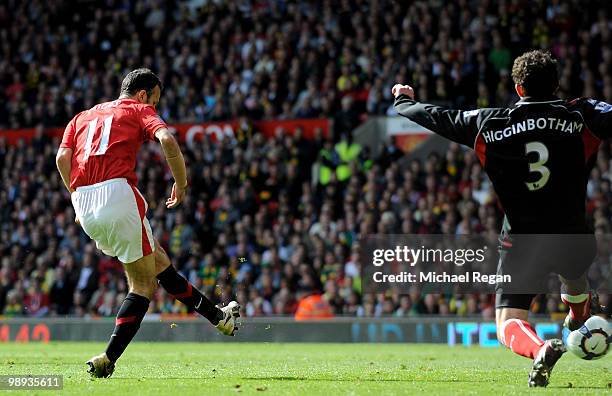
(536, 71)
(139, 79)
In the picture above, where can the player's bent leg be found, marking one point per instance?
(141, 280)
(223, 318)
(162, 261)
(141, 276)
(545, 361)
(516, 333)
(513, 330)
(575, 293)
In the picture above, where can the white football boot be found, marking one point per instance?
(100, 366)
(228, 325)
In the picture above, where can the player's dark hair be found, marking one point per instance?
(536, 71)
(139, 79)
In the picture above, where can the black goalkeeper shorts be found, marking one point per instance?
(519, 301)
(532, 262)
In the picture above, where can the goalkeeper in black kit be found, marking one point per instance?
(538, 154)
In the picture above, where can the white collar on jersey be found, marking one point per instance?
(527, 100)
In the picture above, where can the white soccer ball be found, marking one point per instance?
(592, 340)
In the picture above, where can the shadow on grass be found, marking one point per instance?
(299, 378)
(578, 387)
(289, 378)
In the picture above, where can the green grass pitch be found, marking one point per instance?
(180, 369)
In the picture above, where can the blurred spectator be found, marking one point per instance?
(36, 301)
(313, 306)
(346, 119)
(87, 282)
(61, 292)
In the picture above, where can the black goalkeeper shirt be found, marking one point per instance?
(538, 154)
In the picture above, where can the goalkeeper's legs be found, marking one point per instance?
(515, 332)
(224, 319)
(576, 294)
(142, 284)
(578, 255)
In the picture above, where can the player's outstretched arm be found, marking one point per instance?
(63, 160)
(176, 162)
(597, 115)
(458, 126)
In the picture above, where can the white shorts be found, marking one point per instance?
(112, 213)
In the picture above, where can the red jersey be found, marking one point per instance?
(106, 138)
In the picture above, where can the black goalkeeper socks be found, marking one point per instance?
(183, 291)
(128, 321)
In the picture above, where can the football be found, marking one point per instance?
(592, 340)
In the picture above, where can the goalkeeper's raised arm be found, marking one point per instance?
(456, 125)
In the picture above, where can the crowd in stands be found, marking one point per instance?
(253, 226)
(258, 223)
(282, 59)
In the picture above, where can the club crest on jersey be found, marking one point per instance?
(530, 124)
(602, 107)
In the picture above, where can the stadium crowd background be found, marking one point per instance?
(253, 222)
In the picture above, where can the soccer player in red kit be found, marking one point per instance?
(96, 160)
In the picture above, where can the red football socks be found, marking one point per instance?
(520, 338)
(580, 305)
